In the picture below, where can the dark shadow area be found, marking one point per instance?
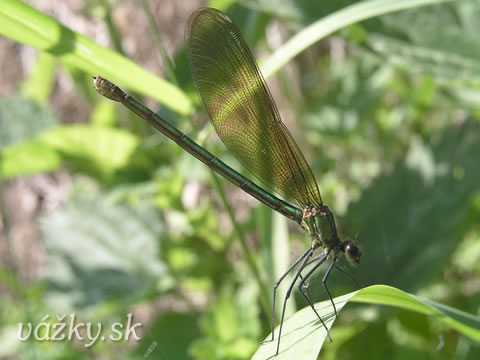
(407, 225)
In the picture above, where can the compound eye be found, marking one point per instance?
(353, 252)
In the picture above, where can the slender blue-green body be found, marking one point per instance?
(113, 92)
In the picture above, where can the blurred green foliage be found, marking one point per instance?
(386, 112)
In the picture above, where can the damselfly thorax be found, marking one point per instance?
(320, 224)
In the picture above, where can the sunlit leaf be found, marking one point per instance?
(303, 335)
(28, 158)
(39, 85)
(24, 24)
(96, 150)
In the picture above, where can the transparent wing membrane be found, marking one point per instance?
(242, 110)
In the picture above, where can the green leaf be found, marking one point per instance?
(416, 213)
(231, 328)
(41, 80)
(173, 332)
(28, 158)
(221, 4)
(24, 24)
(99, 151)
(104, 114)
(303, 335)
(465, 323)
(100, 251)
(22, 119)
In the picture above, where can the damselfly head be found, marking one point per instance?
(352, 252)
(107, 89)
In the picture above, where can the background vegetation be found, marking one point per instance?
(101, 216)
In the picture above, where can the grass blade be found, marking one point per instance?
(329, 24)
(28, 26)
